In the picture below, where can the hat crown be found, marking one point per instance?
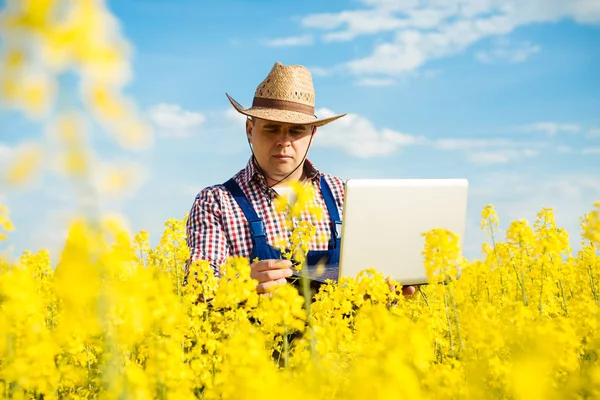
(288, 82)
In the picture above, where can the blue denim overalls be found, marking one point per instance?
(264, 251)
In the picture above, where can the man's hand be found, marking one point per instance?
(270, 273)
(408, 290)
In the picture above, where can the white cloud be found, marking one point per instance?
(593, 133)
(5, 154)
(491, 151)
(223, 132)
(358, 136)
(564, 149)
(372, 21)
(508, 53)
(304, 40)
(173, 121)
(234, 119)
(413, 48)
(461, 143)
(499, 156)
(591, 150)
(219, 126)
(552, 128)
(319, 71)
(375, 82)
(426, 30)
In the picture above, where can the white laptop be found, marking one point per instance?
(384, 219)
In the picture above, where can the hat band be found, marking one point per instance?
(283, 105)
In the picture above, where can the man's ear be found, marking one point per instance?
(249, 129)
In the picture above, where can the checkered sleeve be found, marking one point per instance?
(206, 237)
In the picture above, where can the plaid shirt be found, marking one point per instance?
(217, 229)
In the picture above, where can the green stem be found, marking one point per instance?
(286, 347)
(593, 284)
(89, 367)
(496, 254)
(541, 288)
(307, 301)
(159, 382)
(456, 318)
(562, 291)
(423, 295)
(523, 280)
(9, 360)
(525, 302)
(449, 325)
(212, 370)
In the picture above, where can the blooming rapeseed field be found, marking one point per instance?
(113, 320)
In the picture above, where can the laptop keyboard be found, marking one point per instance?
(328, 272)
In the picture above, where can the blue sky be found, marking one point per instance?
(504, 94)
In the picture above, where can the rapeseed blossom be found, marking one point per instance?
(5, 222)
(112, 319)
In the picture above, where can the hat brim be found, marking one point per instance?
(282, 116)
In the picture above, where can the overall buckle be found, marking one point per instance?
(257, 228)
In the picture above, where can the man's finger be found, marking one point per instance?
(265, 265)
(268, 286)
(390, 283)
(275, 274)
(271, 275)
(408, 290)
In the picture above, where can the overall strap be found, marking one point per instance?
(336, 221)
(257, 228)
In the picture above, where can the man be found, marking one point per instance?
(238, 218)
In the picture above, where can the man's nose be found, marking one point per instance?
(284, 138)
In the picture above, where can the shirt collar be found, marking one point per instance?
(252, 173)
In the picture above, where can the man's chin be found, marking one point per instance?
(280, 173)
(284, 173)
(283, 166)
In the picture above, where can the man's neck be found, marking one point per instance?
(298, 175)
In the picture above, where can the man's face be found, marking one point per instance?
(278, 147)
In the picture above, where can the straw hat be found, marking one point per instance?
(286, 95)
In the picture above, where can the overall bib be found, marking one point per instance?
(264, 251)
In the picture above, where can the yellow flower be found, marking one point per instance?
(5, 222)
(442, 255)
(489, 218)
(104, 316)
(26, 162)
(69, 133)
(591, 225)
